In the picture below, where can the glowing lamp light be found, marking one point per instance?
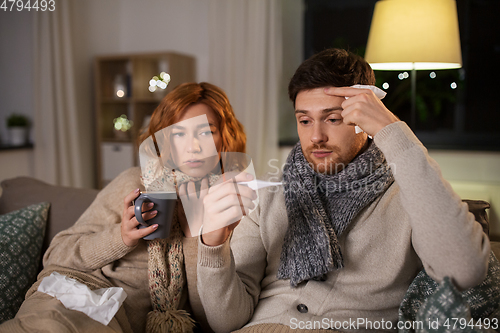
(414, 35)
(120, 86)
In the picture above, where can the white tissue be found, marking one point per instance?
(377, 91)
(100, 304)
(257, 184)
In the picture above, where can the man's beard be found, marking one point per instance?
(335, 162)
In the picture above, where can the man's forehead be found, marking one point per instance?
(317, 100)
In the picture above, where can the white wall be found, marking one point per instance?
(130, 26)
(474, 175)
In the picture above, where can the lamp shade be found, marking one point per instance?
(414, 34)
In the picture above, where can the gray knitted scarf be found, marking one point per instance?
(320, 208)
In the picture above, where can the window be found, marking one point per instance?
(456, 109)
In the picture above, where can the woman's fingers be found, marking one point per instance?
(128, 202)
(140, 233)
(234, 176)
(182, 189)
(147, 206)
(131, 220)
(221, 214)
(218, 206)
(225, 204)
(223, 219)
(203, 187)
(229, 201)
(129, 198)
(219, 192)
(130, 233)
(149, 215)
(192, 190)
(129, 212)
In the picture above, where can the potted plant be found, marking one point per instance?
(17, 125)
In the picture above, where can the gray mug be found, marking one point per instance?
(164, 203)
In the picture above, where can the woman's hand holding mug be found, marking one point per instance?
(129, 231)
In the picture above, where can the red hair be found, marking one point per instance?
(173, 105)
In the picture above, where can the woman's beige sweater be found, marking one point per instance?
(418, 222)
(94, 245)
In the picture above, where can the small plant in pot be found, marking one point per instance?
(17, 125)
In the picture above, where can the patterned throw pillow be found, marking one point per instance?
(21, 237)
(432, 307)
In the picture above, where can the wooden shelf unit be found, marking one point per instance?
(135, 70)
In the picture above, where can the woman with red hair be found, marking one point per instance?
(105, 248)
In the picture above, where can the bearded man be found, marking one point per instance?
(354, 222)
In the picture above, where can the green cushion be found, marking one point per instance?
(21, 237)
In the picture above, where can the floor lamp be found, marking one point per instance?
(414, 35)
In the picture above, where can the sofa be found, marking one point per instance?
(32, 212)
(55, 208)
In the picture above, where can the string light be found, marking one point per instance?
(159, 82)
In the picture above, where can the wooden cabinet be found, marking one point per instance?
(122, 88)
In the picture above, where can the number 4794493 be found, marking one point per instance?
(36, 5)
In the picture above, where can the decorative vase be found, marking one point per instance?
(18, 136)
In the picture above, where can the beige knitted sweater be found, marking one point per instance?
(94, 245)
(418, 222)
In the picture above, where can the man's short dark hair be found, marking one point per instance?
(330, 68)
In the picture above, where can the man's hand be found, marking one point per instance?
(363, 108)
(225, 204)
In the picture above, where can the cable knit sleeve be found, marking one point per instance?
(229, 292)
(445, 234)
(95, 239)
